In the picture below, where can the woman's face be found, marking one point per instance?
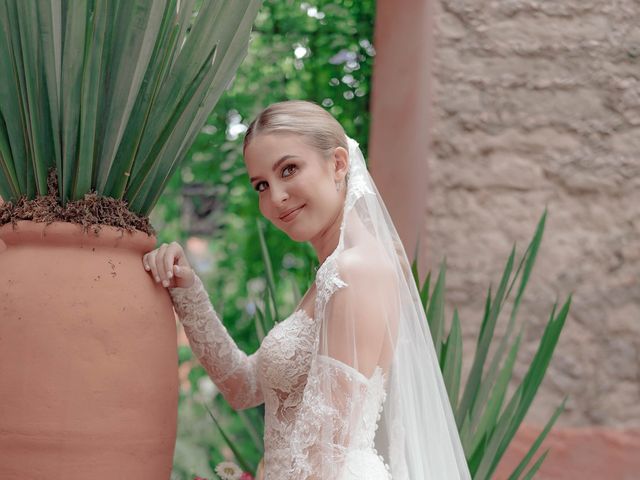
(296, 184)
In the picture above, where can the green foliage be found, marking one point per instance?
(110, 93)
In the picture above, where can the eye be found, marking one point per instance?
(289, 168)
(258, 188)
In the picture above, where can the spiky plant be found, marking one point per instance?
(486, 424)
(110, 93)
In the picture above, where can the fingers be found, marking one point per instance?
(160, 268)
(184, 276)
(160, 262)
(172, 256)
(149, 262)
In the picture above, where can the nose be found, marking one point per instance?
(278, 194)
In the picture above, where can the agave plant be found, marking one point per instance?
(485, 427)
(110, 93)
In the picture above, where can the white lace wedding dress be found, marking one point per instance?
(277, 374)
(321, 411)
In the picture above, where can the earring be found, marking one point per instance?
(338, 186)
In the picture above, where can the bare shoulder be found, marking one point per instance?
(365, 311)
(367, 263)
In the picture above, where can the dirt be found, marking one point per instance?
(92, 212)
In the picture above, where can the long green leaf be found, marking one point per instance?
(266, 258)
(538, 441)
(17, 58)
(9, 185)
(484, 341)
(536, 466)
(477, 455)
(533, 248)
(166, 154)
(180, 84)
(426, 286)
(239, 457)
(113, 181)
(490, 377)
(135, 31)
(50, 26)
(269, 318)
(525, 266)
(185, 11)
(34, 103)
(12, 93)
(92, 86)
(485, 419)
(452, 368)
(542, 357)
(75, 16)
(259, 324)
(507, 419)
(414, 272)
(535, 373)
(527, 262)
(231, 48)
(249, 424)
(150, 164)
(461, 412)
(435, 310)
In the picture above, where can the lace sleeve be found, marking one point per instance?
(233, 372)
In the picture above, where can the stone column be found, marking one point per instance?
(401, 112)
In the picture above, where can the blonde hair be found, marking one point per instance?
(319, 129)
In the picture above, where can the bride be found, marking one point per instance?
(350, 380)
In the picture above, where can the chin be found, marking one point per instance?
(297, 236)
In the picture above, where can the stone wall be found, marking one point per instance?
(537, 103)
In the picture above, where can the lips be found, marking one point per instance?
(291, 214)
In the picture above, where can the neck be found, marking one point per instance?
(327, 241)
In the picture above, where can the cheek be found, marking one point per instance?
(325, 202)
(263, 207)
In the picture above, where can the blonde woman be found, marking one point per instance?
(350, 380)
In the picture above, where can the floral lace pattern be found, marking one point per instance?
(283, 375)
(328, 281)
(351, 406)
(233, 372)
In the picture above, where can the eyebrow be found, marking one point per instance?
(277, 164)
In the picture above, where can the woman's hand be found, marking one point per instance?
(168, 264)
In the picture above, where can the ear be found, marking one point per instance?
(340, 162)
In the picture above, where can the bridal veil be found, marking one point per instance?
(375, 377)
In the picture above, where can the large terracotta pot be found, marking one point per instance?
(88, 358)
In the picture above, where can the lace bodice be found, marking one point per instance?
(280, 374)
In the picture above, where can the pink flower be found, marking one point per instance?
(199, 478)
(246, 476)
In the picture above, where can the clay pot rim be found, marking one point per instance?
(69, 234)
